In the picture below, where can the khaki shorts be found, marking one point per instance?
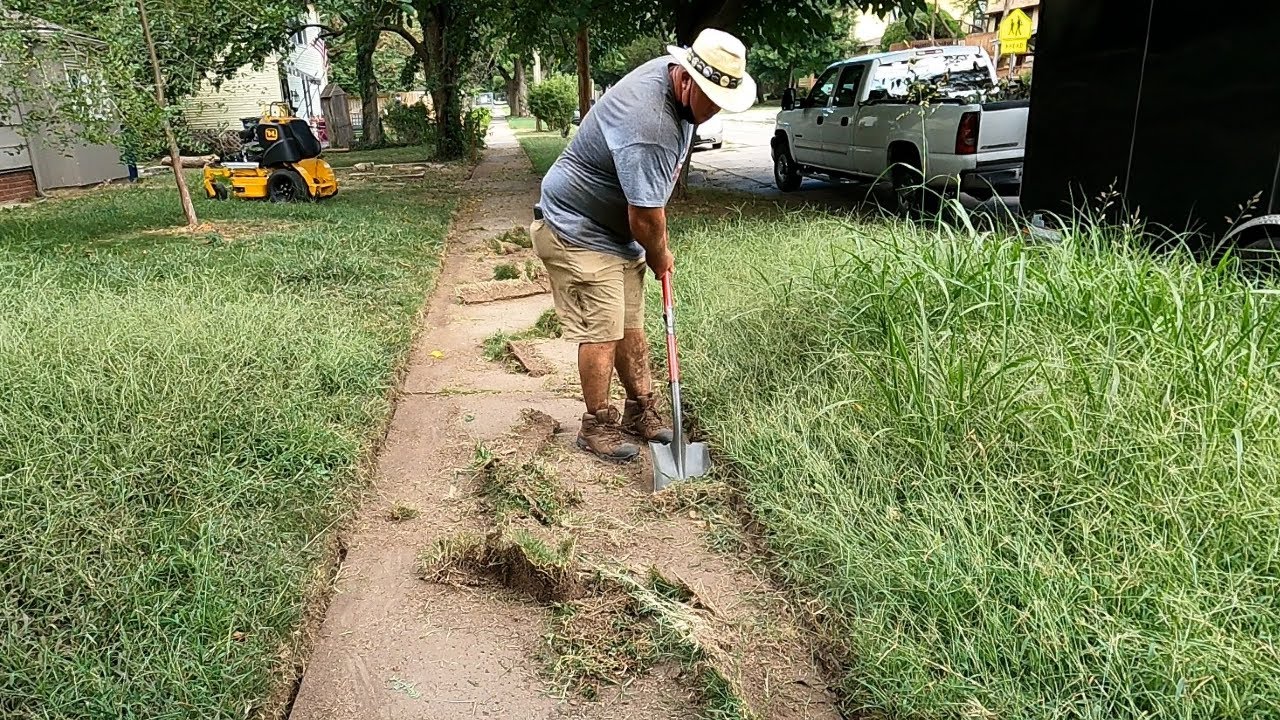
(598, 296)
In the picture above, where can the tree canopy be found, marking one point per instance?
(395, 65)
(828, 38)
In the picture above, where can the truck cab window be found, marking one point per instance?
(823, 89)
(847, 91)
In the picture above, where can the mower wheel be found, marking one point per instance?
(286, 185)
(220, 192)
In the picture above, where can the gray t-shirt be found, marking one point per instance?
(628, 151)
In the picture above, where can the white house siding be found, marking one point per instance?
(305, 68)
(246, 94)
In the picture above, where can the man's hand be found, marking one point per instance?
(649, 228)
(660, 261)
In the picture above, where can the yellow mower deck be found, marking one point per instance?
(253, 183)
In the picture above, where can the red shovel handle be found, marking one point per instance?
(669, 316)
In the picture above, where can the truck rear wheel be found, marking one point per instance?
(786, 174)
(908, 187)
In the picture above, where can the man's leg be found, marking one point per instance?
(641, 417)
(589, 295)
(595, 368)
(632, 362)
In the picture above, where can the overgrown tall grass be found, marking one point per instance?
(1021, 481)
(181, 420)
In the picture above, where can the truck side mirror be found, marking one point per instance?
(789, 99)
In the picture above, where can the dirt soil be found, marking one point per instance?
(394, 645)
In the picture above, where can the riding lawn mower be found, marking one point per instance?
(278, 160)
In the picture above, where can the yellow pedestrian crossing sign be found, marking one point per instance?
(1015, 31)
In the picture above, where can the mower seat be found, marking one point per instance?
(286, 142)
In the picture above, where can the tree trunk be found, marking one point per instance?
(518, 91)
(791, 75)
(366, 40)
(584, 70)
(537, 68)
(175, 155)
(451, 143)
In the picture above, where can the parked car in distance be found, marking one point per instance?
(710, 133)
(857, 122)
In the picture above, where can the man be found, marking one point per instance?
(602, 217)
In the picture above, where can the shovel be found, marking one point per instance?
(675, 462)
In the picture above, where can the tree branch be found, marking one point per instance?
(415, 43)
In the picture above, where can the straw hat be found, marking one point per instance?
(718, 63)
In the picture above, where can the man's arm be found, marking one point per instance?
(649, 228)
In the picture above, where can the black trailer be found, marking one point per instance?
(1173, 105)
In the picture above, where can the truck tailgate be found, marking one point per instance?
(1003, 132)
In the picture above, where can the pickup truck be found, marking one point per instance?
(860, 121)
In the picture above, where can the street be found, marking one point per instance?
(745, 165)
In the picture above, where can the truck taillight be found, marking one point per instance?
(967, 134)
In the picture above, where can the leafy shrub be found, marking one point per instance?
(553, 101)
(506, 271)
(409, 124)
(475, 126)
(920, 25)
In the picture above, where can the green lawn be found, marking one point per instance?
(409, 154)
(1018, 481)
(522, 123)
(542, 147)
(182, 420)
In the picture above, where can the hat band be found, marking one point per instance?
(723, 79)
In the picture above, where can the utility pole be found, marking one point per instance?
(175, 155)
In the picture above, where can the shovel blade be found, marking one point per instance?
(666, 470)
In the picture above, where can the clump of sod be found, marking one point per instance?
(497, 347)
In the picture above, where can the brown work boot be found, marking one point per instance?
(643, 421)
(601, 436)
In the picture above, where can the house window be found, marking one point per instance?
(90, 91)
(299, 38)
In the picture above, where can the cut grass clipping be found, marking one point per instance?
(527, 488)
(1022, 481)
(517, 236)
(607, 627)
(497, 347)
(506, 271)
(181, 422)
(400, 512)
